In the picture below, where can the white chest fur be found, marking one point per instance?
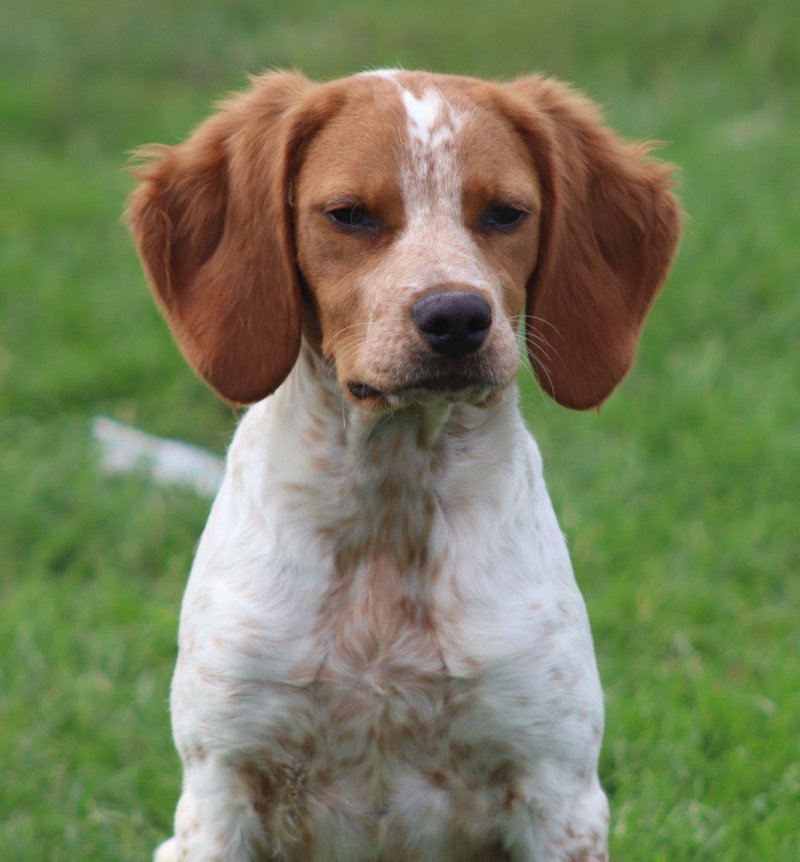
(381, 637)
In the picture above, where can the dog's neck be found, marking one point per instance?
(375, 480)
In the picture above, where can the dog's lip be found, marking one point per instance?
(445, 384)
(362, 391)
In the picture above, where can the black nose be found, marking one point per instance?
(454, 323)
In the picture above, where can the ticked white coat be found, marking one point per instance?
(441, 710)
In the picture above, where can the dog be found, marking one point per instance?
(383, 653)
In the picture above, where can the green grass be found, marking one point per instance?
(680, 498)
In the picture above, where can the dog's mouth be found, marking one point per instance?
(363, 391)
(450, 387)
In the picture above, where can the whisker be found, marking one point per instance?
(543, 368)
(542, 320)
(534, 336)
(532, 340)
(528, 370)
(535, 319)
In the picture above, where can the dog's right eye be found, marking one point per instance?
(352, 218)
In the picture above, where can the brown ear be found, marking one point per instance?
(212, 228)
(609, 229)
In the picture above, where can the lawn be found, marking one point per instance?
(680, 498)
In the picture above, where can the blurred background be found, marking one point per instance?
(679, 498)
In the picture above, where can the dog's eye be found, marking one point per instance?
(352, 218)
(502, 217)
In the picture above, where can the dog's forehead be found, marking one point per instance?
(421, 102)
(412, 126)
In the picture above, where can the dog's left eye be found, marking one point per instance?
(502, 217)
(352, 218)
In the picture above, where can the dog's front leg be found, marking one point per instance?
(166, 852)
(560, 826)
(216, 824)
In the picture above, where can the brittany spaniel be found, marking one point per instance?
(383, 651)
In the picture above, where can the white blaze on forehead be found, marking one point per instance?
(422, 114)
(432, 121)
(431, 176)
(432, 182)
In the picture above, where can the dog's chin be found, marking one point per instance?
(446, 389)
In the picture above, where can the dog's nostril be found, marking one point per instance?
(454, 323)
(437, 325)
(478, 323)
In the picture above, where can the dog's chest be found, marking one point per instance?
(373, 676)
(350, 661)
(372, 731)
(364, 739)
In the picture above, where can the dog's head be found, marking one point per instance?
(403, 223)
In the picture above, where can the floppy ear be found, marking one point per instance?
(609, 229)
(212, 228)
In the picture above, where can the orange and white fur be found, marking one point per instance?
(383, 651)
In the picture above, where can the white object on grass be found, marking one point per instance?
(124, 449)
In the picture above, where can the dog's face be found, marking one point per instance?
(405, 222)
(416, 219)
